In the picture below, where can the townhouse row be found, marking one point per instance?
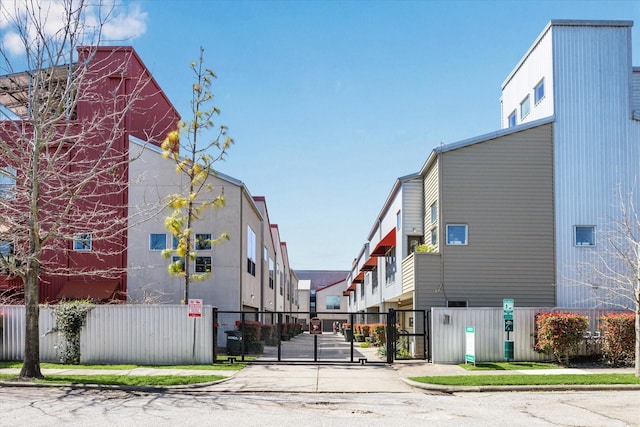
(521, 212)
(115, 251)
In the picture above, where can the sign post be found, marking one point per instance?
(507, 310)
(315, 329)
(470, 347)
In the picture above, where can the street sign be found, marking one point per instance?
(195, 308)
(470, 347)
(507, 308)
(315, 326)
(508, 325)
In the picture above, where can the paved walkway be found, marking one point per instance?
(332, 378)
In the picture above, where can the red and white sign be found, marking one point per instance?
(195, 308)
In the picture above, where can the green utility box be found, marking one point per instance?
(508, 350)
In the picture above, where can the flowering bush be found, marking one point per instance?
(619, 332)
(560, 334)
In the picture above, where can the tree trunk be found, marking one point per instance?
(31, 362)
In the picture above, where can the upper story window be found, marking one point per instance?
(457, 234)
(272, 273)
(333, 302)
(525, 107)
(390, 265)
(538, 91)
(584, 235)
(398, 221)
(434, 212)
(511, 120)
(434, 237)
(203, 264)
(157, 242)
(251, 251)
(82, 242)
(7, 183)
(203, 242)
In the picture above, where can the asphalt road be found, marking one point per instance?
(44, 406)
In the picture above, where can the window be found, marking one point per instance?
(456, 234)
(457, 304)
(361, 290)
(374, 280)
(174, 242)
(7, 183)
(271, 274)
(203, 264)
(157, 242)
(524, 108)
(333, 302)
(412, 242)
(434, 237)
(82, 242)
(511, 120)
(390, 265)
(265, 254)
(398, 221)
(538, 92)
(178, 263)
(251, 251)
(434, 212)
(203, 242)
(5, 248)
(585, 235)
(280, 284)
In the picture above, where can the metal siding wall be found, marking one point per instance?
(448, 341)
(413, 209)
(596, 146)
(635, 93)
(431, 195)
(141, 334)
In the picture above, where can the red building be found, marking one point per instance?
(112, 97)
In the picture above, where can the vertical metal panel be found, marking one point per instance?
(596, 146)
(635, 91)
(12, 344)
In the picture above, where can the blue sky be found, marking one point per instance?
(330, 101)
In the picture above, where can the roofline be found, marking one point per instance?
(385, 207)
(563, 23)
(483, 138)
(333, 284)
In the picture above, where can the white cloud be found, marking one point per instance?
(123, 22)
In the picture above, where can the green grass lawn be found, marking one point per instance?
(523, 379)
(129, 380)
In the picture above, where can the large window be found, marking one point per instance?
(203, 242)
(525, 107)
(271, 274)
(585, 235)
(7, 183)
(157, 242)
(374, 280)
(82, 242)
(456, 234)
(390, 265)
(538, 92)
(333, 302)
(251, 251)
(280, 280)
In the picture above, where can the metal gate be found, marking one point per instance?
(337, 337)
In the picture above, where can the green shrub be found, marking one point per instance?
(70, 317)
(560, 334)
(252, 331)
(358, 337)
(619, 332)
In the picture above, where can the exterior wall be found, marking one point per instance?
(431, 189)
(635, 93)
(279, 272)
(330, 315)
(596, 144)
(268, 294)
(251, 289)
(503, 190)
(152, 179)
(533, 67)
(412, 214)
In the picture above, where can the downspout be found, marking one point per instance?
(241, 278)
(440, 225)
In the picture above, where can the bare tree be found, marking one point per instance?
(612, 270)
(63, 150)
(195, 161)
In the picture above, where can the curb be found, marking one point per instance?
(501, 388)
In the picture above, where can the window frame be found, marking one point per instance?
(80, 242)
(390, 265)
(512, 119)
(251, 251)
(536, 98)
(466, 235)
(433, 211)
(333, 306)
(8, 182)
(207, 242)
(584, 243)
(198, 265)
(526, 101)
(151, 248)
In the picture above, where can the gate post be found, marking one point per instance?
(351, 320)
(279, 333)
(214, 349)
(391, 335)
